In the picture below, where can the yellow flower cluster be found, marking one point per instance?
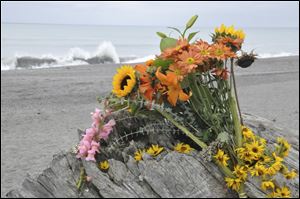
(154, 150)
(258, 161)
(283, 192)
(230, 31)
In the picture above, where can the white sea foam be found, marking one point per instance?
(270, 55)
(105, 53)
(142, 59)
(78, 56)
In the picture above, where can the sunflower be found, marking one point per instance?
(267, 185)
(283, 192)
(138, 155)
(104, 165)
(154, 150)
(240, 172)
(258, 170)
(247, 133)
(183, 148)
(290, 175)
(124, 81)
(233, 183)
(255, 149)
(221, 157)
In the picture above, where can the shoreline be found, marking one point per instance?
(41, 109)
(121, 63)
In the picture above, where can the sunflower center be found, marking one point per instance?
(190, 60)
(254, 150)
(124, 82)
(183, 148)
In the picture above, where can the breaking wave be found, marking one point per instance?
(105, 53)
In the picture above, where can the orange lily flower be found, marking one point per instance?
(174, 91)
(145, 82)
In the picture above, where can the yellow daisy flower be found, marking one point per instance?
(290, 175)
(124, 81)
(255, 149)
(221, 157)
(240, 172)
(154, 150)
(283, 192)
(258, 170)
(104, 165)
(264, 159)
(244, 154)
(183, 148)
(267, 185)
(138, 155)
(271, 171)
(284, 147)
(233, 183)
(247, 133)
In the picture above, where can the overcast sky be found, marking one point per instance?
(243, 14)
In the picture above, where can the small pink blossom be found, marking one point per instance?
(90, 144)
(90, 157)
(106, 129)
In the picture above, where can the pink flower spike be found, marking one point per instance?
(92, 151)
(90, 157)
(97, 115)
(106, 129)
(94, 143)
(90, 131)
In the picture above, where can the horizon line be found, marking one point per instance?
(33, 23)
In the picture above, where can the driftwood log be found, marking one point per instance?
(171, 174)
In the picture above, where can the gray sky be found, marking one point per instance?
(243, 14)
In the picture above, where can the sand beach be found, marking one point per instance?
(41, 109)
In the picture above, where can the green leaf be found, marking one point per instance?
(162, 35)
(167, 43)
(176, 29)
(191, 35)
(223, 137)
(164, 64)
(191, 22)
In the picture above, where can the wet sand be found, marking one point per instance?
(41, 109)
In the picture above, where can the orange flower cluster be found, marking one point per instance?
(185, 59)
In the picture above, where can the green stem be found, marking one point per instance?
(241, 192)
(183, 129)
(81, 178)
(235, 90)
(236, 122)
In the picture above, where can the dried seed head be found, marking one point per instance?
(245, 60)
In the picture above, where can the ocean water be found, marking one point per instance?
(42, 45)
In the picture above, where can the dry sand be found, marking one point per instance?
(41, 109)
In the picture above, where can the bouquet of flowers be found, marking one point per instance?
(191, 84)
